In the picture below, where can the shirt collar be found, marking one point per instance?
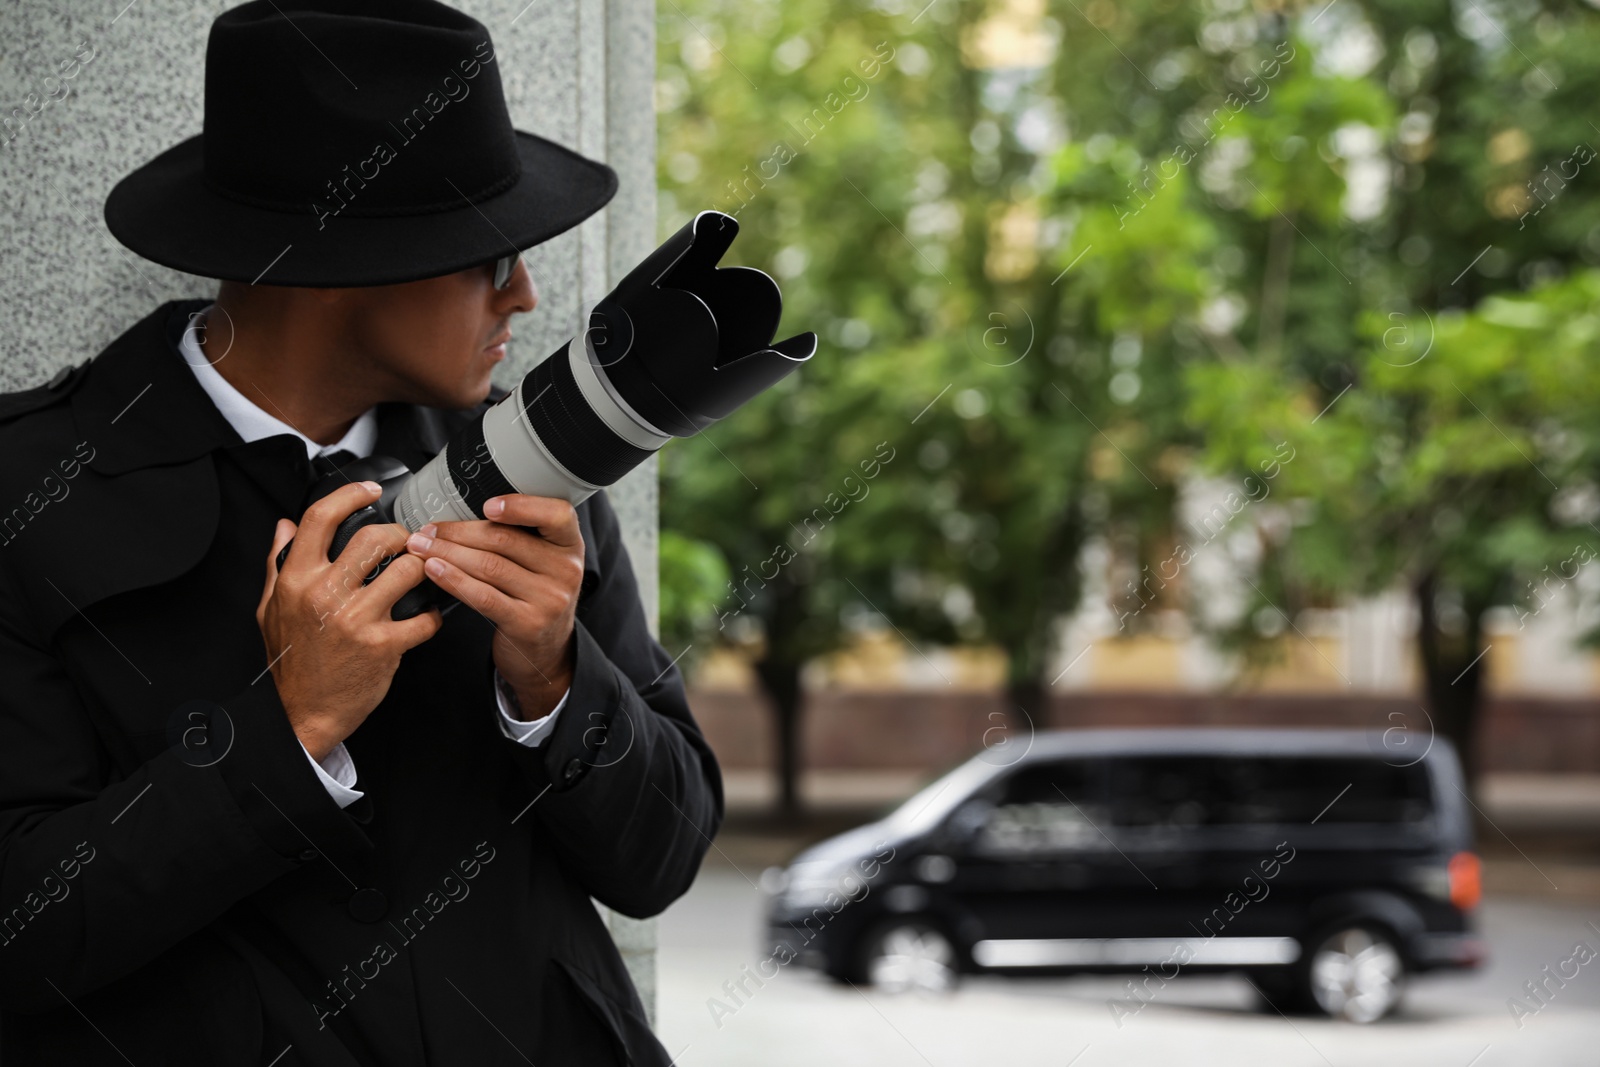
(252, 423)
(139, 408)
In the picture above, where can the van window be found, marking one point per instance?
(1188, 791)
(1326, 789)
(1044, 808)
(1166, 791)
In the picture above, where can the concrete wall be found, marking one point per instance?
(578, 71)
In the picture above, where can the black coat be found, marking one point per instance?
(176, 886)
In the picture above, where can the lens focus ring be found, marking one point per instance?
(576, 436)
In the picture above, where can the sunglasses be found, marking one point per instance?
(504, 268)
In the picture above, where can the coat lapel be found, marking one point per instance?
(146, 508)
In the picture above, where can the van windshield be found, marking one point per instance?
(928, 806)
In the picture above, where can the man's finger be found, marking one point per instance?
(490, 567)
(321, 519)
(522, 546)
(403, 574)
(419, 628)
(481, 597)
(554, 518)
(370, 546)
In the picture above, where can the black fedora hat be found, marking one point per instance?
(349, 143)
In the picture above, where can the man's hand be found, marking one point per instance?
(521, 569)
(331, 645)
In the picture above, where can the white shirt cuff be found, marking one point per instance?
(337, 773)
(530, 733)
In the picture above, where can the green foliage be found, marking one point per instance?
(1056, 292)
(693, 575)
(1472, 458)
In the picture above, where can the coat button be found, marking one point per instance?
(368, 905)
(308, 854)
(572, 771)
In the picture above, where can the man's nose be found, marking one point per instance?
(520, 295)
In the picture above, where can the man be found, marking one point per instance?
(246, 816)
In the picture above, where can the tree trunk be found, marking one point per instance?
(1275, 285)
(1452, 670)
(1026, 712)
(781, 680)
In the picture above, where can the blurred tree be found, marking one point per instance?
(791, 490)
(1467, 473)
(693, 574)
(1440, 451)
(894, 176)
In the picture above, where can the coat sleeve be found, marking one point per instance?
(102, 871)
(626, 787)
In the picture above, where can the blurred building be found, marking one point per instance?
(883, 704)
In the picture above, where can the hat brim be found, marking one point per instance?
(167, 213)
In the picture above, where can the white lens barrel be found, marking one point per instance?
(515, 449)
(430, 496)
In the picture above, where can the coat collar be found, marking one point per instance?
(140, 406)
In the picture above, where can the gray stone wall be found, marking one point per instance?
(577, 71)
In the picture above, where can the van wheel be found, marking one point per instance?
(909, 955)
(1354, 973)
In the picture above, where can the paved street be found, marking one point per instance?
(801, 1018)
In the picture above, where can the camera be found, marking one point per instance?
(678, 344)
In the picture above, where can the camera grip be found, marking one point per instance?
(414, 602)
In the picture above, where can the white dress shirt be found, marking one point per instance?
(336, 771)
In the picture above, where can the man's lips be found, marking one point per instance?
(497, 347)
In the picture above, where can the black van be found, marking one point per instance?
(1314, 861)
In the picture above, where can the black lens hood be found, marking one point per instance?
(685, 342)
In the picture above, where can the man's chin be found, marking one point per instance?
(462, 398)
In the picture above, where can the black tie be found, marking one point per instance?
(327, 474)
(324, 465)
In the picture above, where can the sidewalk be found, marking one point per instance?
(1543, 801)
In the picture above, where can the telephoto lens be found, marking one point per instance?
(679, 344)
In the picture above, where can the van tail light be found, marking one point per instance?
(1466, 880)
